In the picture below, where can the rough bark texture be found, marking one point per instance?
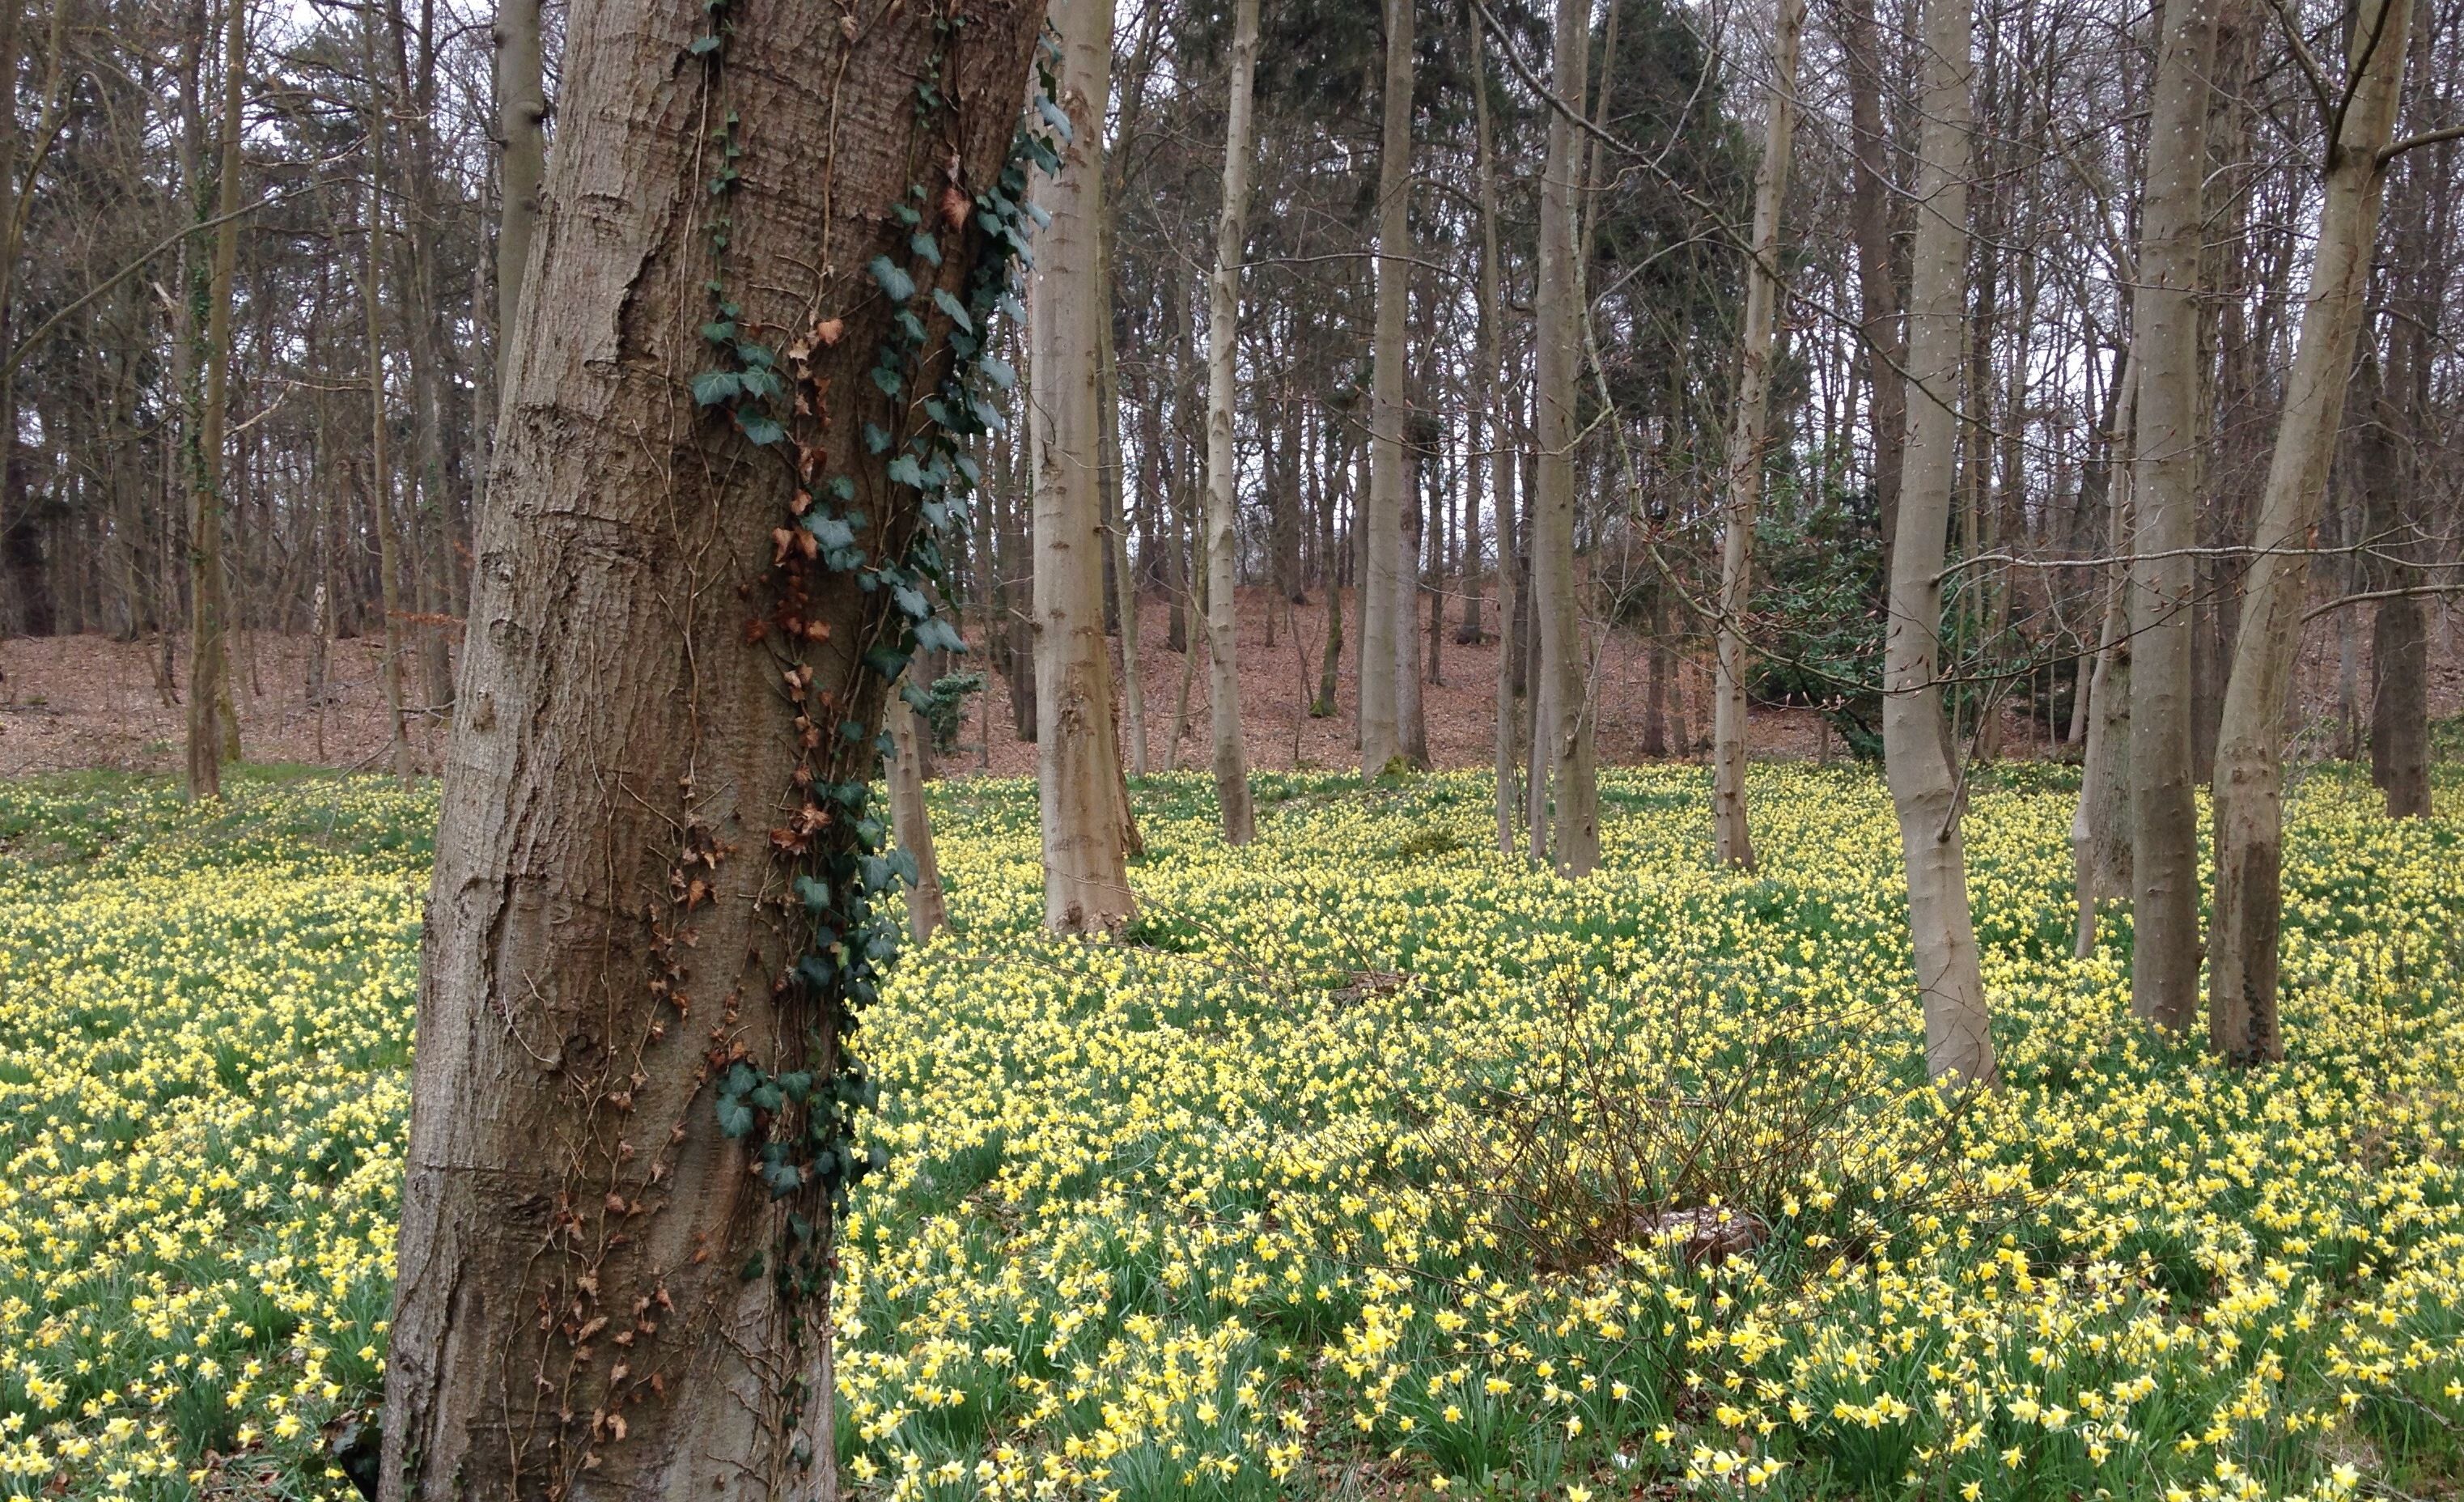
(1565, 725)
(1925, 783)
(606, 924)
(1731, 838)
(1222, 541)
(1086, 877)
(1382, 575)
(2242, 1026)
(2164, 486)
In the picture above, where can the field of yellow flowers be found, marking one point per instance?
(1366, 1164)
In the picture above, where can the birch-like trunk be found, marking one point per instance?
(1924, 782)
(1565, 725)
(2242, 1026)
(2100, 841)
(1731, 838)
(574, 1313)
(2165, 487)
(1086, 877)
(1222, 352)
(1380, 520)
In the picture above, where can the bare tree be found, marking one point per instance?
(1222, 465)
(1925, 784)
(1380, 521)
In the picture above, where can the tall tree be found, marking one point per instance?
(1078, 759)
(1731, 838)
(651, 813)
(2165, 489)
(1566, 715)
(1917, 750)
(521, 122)
(209, 658)
(1496, 445)
(1380, 521)
(1222, 464)
(2242, 1024)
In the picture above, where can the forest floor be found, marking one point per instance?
(73, 702)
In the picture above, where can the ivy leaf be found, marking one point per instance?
(816, 893)
(922, 243)
(735, 1116)
(716, 388)
(835, 536)
(948, 302)
(904, 471)
(703, 46)
(935, 634)
(1053, 115)
(912, 601)
(762, 429)
(897, 283)
(1000, 372)
(887, 379)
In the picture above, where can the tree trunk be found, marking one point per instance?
(1085, 880)
(522, 120)
(597, 1297)
(1380, 521)
(1878, 288)
(2164, 486)
(1924, 782)
(1222, 340)
(2242, 1026)
(1732, 841)
(208, 660)
(1567, 720)
(2100, 838)
(1495, 437)
(913, 827)
(380, 467)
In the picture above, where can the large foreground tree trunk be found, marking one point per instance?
(2242, 1026)
(1078, 757)
(2164, 486)
(1222, 541)
(1731, 837)
(650, 815)
(1565, 725)
(1380, 521)
(1916, 747)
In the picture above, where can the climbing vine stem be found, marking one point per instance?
(932, 393)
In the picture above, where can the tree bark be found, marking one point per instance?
(1383, 576)
(1924, 782)
(522, 120)
(2101, 839)
(1564, 671)
(1878, 288)
(1223, 350)
(912, 824)
(2165, 487)
(379, 466)
(2242, 1021)
(578, 1312)
(1731, 838)
(209, 659)
(1086, 878)
(1496, 438)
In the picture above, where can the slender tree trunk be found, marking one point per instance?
(521, 121)
(2101, 839)
(1557, 318)
(208, 660)
(1924, 782)
(1496, 436)
(2164, 317)
(1878, 289)
(1732, 842)
(1085, 880)
(625, 809)
(910, 822)
(1222, 342)
(1380, 521)
(2242, 1026)
(381, 509)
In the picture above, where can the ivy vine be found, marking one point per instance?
(800, 1124)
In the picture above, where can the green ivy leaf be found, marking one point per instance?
(714, 388)
(897, 283)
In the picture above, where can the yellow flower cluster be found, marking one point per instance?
(1367, 1162)
(204, 1023)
